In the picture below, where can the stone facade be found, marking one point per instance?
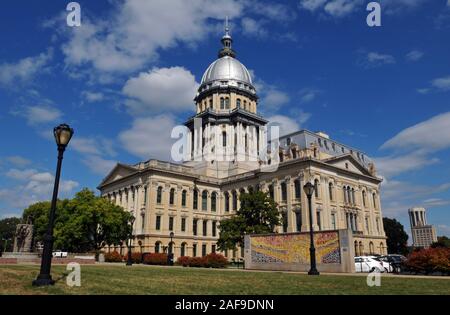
(227, 153)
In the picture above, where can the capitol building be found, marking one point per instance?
(228, 152)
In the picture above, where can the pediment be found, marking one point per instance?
(118, 172)
(348, 162)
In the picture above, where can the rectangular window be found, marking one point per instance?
(194, 226)
(214, 228)
(213, 248)
(158, 222)
(170, 223)
(333, 221)
(194, 250)
(285, 222)
(204, 250)
(298, 221)
(145, 196)
(183, 224)
(205, 228)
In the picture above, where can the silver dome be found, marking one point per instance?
(227, 68)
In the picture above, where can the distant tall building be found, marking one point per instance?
(423, 234)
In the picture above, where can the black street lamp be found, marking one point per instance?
(170, 256)
(63, 133)
(309, 190)
(130, 239)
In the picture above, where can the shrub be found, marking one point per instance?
(197, 262)
(429, 261)
(136, 258)
(214, 260)
(155, 259)
(183, 261)
(113, 257)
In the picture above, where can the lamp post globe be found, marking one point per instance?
(63, 134)
(309, 191)
(130, 239)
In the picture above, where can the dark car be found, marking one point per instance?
(396, 261)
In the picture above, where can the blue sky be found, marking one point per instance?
(129, 73)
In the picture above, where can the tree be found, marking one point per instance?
(397, 238)
(258, 214)
(84, 223)
(442, 241)
(7, 232)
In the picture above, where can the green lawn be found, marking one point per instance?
(117, 279)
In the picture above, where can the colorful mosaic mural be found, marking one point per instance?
(294, 248)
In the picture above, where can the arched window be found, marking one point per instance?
(238, 103)
(361, 248)
(159, 195)
(211, 104)
(234, 193)
(213, 201)
(227, 202)
(330, 191)
(222, 103)
(183, 249)
(172, 196)
(224, 139)
(364, 197)
(157, 247)
(374, 197)
(371, 249)
(298, 189)
(353, 196)
(357, 253)
(283, 192)
(195, 200)
(205, 200)
(316, 188)
(183, 198)
(227, 103)
(245, 105)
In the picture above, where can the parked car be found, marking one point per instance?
(396, 261)
(387, 266)
(368, 264)
(59, 254)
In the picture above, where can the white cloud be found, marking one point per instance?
(308, 95)
(334, 8)
(394, 165)
(378, 59)
(99, 165)
(161, 89)
(442, 83)
(423, 91)
(18, 161)
(289, 124)
(149, 137)
(252, 27)
(428, 136)
(41, 114)
(414, 55)
(33, 186)
(130, 37)
(93, 97)
(25, 69)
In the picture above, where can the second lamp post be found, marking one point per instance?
(309, 190)
(130, 239)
